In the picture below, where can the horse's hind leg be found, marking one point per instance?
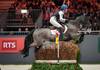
(25, 51)
(27, 42)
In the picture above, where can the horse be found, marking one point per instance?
(37, 37)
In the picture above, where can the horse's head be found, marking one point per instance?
(79, 23)
(76, 25)
(82, 21)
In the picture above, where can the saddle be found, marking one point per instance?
(60, 32)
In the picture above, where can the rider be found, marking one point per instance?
(58, 20)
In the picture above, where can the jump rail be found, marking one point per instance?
(55, 61)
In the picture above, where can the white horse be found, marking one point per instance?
(37, 37)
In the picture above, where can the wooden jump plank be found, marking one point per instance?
(56, 61)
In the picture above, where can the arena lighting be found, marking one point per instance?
(24, 11)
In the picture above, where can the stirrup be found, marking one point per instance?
(66, 28)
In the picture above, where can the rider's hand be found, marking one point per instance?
(62, 29)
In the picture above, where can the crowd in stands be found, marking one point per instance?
(76, 8)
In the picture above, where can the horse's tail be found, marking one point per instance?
(27, 42)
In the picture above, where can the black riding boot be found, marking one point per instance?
(61, 37)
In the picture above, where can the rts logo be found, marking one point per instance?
(9, 45)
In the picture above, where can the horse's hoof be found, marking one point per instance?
(25, 54)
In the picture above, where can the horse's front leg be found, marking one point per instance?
(81, 37)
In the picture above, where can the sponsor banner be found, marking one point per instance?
(11, 45)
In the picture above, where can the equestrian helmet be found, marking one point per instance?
(63, 7)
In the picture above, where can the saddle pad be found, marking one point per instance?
(55, 32)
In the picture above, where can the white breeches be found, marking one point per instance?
(54, 22)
